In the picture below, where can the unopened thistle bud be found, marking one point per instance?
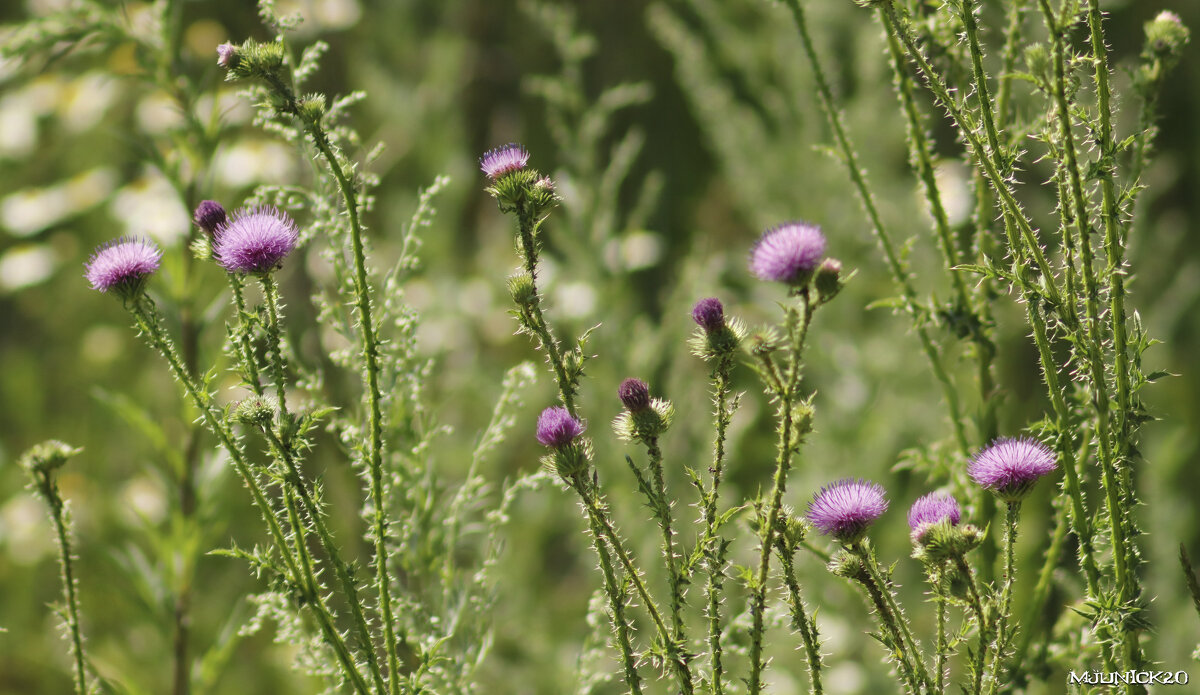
(209, 216)
(828, 280)
(634, 395)
(251, 59)
(1166, 36)
(255, 410)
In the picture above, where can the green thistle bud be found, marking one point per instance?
(1166, 37)
(251, 59)
(522, 289)
(828, 281)
(255, 410)
(847, 565)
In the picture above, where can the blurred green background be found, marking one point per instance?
(676, 131)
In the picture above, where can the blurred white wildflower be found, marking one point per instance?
(144, 498)
(951, 178)
(24, 531)
(25, 265)
(255, 161)
(25, 213)
(150, 207)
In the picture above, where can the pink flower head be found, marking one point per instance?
(787, 253)
(1010, 467)
(556, 428)
(255, 240)
(846, 508)
(503, 160)
(931, 509)
(122, 264)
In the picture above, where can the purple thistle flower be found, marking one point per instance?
(1010, 467)
(556, 428)
(709, 314)
(503, 160)
(788, 252)
(844, 509)
(634, 395)
(255, 240)
(227, 55)
(931, 509)
(122, 264)
(209, 216)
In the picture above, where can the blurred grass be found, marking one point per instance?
(447, 80)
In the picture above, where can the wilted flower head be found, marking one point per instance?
(634, 395)
(709, 314)
(556, 427)
(122, 264)
(255, 240)
(931, 509)
(1010, 467)
(209, 215)
(502, 160)
(846, 508)
(787, 253)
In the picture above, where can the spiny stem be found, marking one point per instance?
(1115, 254)
(941, 648)
(1041, 591)
(616, 602)
(537, 320)
(294, 480)
(783, 462)
(1012, 511)
(245, 348)
(976, 605)
(275, 344)
(801, 621)
(1110, 477)
(987, 159)
(885, 587)
(888, 620)
(654, 454)
(147, 321)
(598, 515)
(715, 560)
(899, 274)
(370, 351)
(48, 489)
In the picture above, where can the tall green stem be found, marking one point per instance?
(714, 549)
(147, 321)
(899, 274)
(654, 452)
(370, 352)
(1012, 511)
(48, 489)
(801, 622)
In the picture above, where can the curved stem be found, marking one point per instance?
(147, 321)
(899, 274)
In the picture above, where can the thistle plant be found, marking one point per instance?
(333, 396)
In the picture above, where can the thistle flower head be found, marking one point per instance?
(209, 216)
(1166, 35)
(634, 395)
(709, 314)
(503, 160)
(556, 428)
(788, 253)
(846, 508)
(123, 265)
(931, 509)
(255, 240)
(1010, 467)
(227, 55)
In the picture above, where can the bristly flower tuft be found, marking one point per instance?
(556, 428)
(634, 395)
(709, 314)
(1010, 467)
(227, 56)
(845, 509)
(505, 159)
(931, 509)
(209, 216)
(788, 253)
(122, 265)
(255, 240)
